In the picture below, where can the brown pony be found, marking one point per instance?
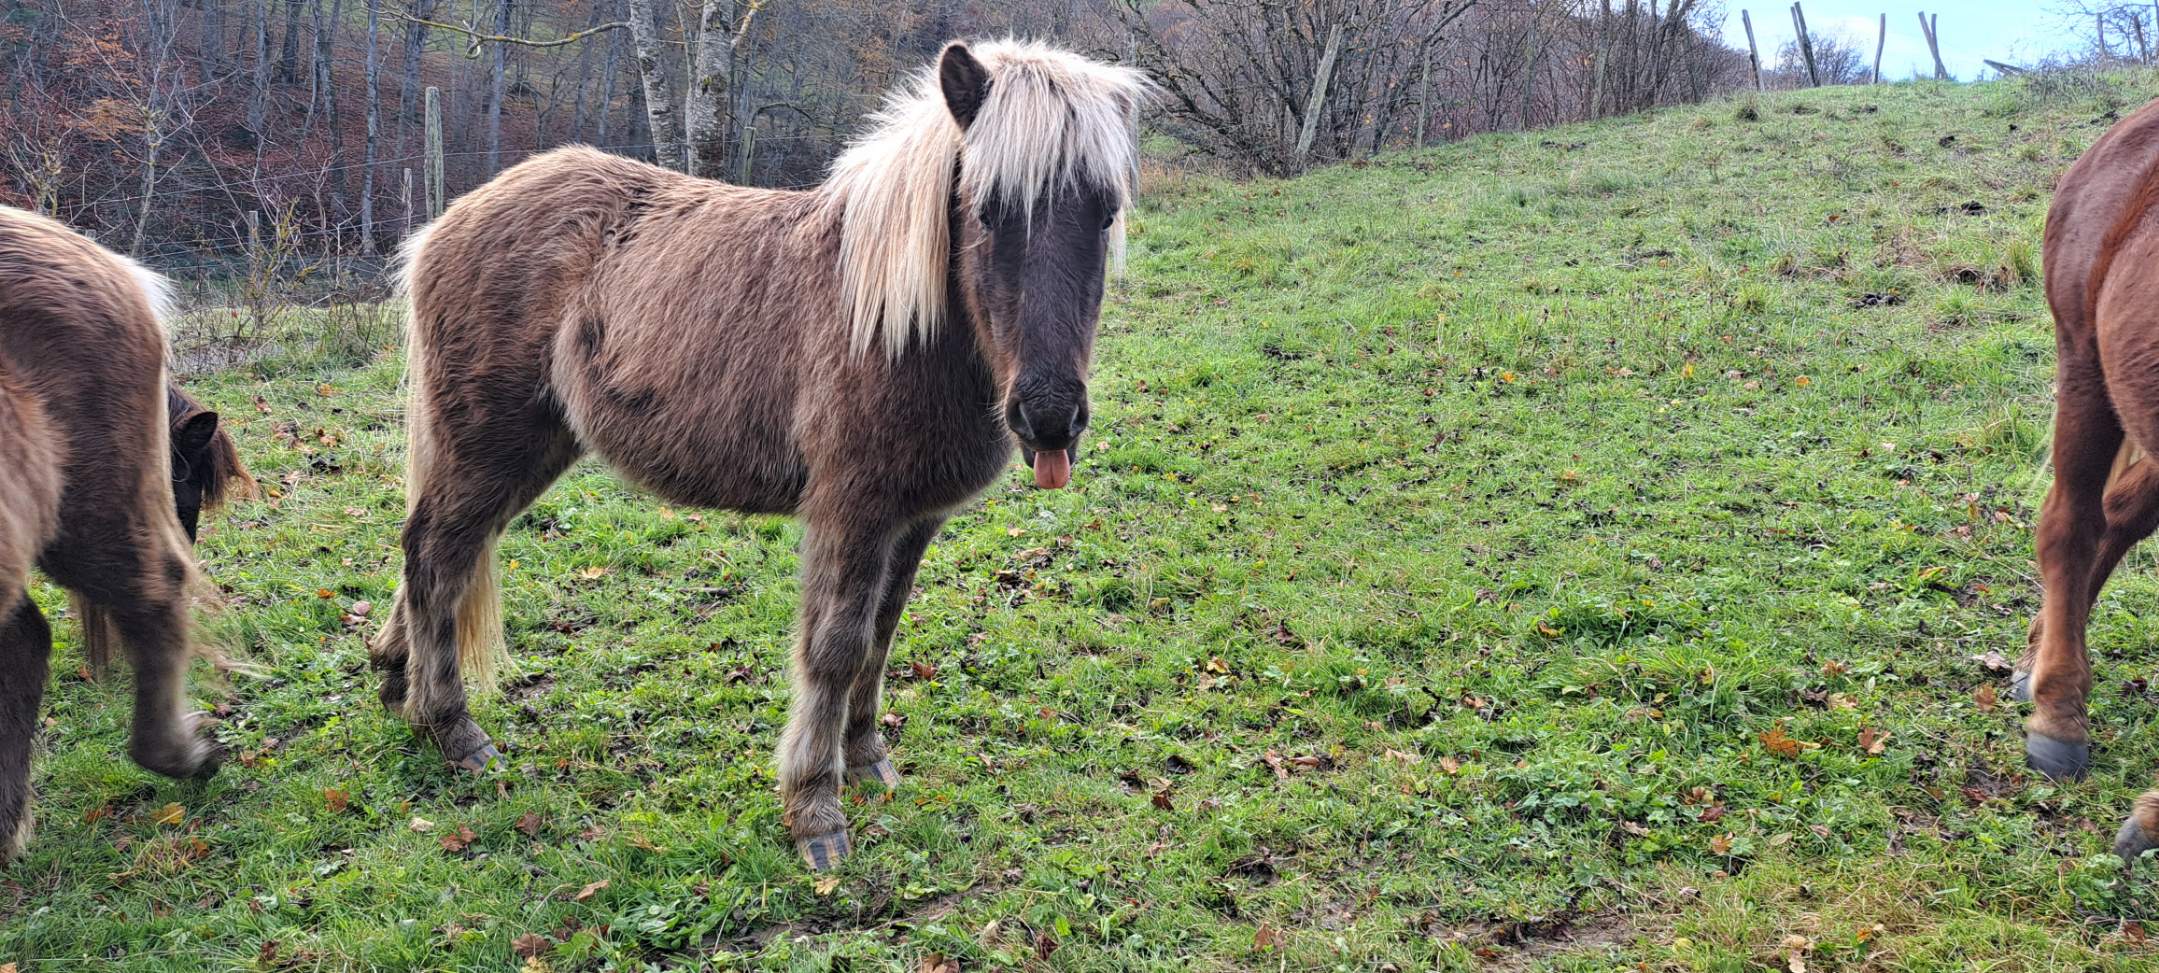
(104, 468)
(861, 355)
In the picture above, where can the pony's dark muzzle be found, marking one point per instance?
(1048, 421)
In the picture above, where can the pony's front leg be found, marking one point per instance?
(864, 750)
(843, 584)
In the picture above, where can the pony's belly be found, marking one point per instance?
(728, 467)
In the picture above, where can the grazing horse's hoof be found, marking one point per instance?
(2058, 759)
(823, 852)
(882, 772)
(12, 845)
(2132, 841)
(2020, 686)
(193, 757)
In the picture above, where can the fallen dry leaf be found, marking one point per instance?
(169, 814)
(1777, 742)
(530, 823)
(1985, 697)
(421, 825)
(828, 885)
(1268, 937)
(458, 840)
(589, 891)
(1161, 799)
(1720, 845)
(1274, 760)
(531, 944)
(336, 800)
(937, 963)
(1872, 740)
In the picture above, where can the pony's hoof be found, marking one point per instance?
(823, 852)
(392, 693)
(13, 843)
(2020, 686)
(2058, 759)
(882, 772)
(2132, 841)
(478, 761)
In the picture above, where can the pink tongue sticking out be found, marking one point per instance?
(1053, 469)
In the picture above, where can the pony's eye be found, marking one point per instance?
(1109, 218)
(983, 216)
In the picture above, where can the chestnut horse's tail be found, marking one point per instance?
(481, 648)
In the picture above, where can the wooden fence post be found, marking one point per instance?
(1318, 102)
(1754, 54)
(1806, 46)
(436, 193)
(1881, 41)
(1932, 27)
(408, 204)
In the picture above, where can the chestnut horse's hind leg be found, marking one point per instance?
(863, 747)
(145, 589)
(2071, 523)
(25, 645)
(2132, 508)
(844, 574)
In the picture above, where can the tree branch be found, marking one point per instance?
(479, 39)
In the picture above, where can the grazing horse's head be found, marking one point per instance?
(205, 463)
(1002, 175)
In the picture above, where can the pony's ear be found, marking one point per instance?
(192, 435)
(965, 81)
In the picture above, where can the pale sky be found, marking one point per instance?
(2005, 30)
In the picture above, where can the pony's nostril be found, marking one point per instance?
(1016, 417)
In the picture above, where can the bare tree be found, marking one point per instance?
(1837, 60)
(1243, 77)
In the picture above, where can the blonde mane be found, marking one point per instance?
(1052, 120)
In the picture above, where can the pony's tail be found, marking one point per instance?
(481, 648)
(100, 632)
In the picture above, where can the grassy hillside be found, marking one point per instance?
(1570, 550)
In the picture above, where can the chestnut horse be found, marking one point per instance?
(104, 468)
(862, 355)
(2102, 240)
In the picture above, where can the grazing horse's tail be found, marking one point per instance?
(481, 649)
(100, 626)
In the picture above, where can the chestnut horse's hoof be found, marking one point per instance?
(882, 772)
(2058, 759)
(2132, 841)
(2020, 686)
(824, 852)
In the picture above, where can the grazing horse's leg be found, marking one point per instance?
(844, 570)
(2071, 523)
(25, 645)
(863, 748)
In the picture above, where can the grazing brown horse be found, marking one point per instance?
(862, 355)
(104, 468)
(2102, 241)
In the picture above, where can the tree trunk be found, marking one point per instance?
(659, 92)
(408, 91)
(258, 96)
(288, 59)
(584, 80)
(1754, 54)
(374, 127)
(710, 91)
(498, 58)
(610, 69)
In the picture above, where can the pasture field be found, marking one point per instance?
(1575, 550)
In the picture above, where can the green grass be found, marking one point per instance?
(1558, 512)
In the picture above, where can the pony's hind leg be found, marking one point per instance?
(863, 749)
(844, 569)
(447, 609)
(25, 647)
